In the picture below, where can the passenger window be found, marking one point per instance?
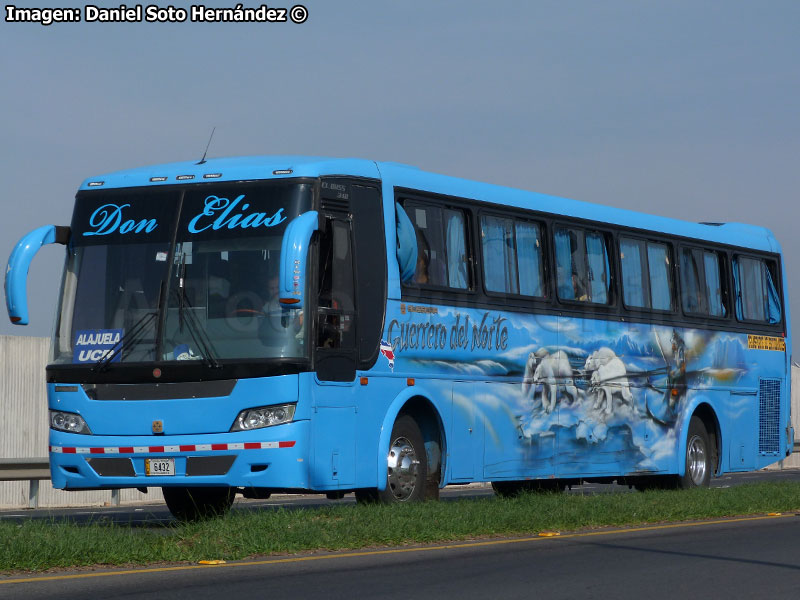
(702, 287)
(691, 296)
(582, 269)
(530, 263)
(430, 245)
(442, 252)
(659, 268)
(631, 259)
(646, 274)
(499, 255)
(455, 228)
(757, 297)
(711, 261)
(512, 256)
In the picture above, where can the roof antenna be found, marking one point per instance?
(203, 160)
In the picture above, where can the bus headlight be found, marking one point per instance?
(69, 422)
(264, 416)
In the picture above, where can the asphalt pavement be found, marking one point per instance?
(751, 557)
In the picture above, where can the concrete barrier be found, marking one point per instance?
(23, 438)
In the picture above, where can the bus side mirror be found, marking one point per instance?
(18, 264)
(294, 255)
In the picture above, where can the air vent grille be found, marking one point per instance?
(769, 413)
(335, 206)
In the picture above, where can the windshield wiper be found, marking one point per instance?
(126, 342)
(207, 351)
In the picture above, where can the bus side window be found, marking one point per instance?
(530, 263)
(597, 262)
(631, 258)
(716, 304)
(757, 298)
(582, 266)
(658, 260)
(431, 268)
(702, 286)
(567, 270)
(442, 251)
(499, 255)
(336, 291)
(457, 275)
(512, 256)
(691, 295)
(646, 274)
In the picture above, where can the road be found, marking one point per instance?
(737, 558)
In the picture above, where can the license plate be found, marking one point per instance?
(159, 467)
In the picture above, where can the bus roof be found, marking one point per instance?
(406, 176)
(234, 169)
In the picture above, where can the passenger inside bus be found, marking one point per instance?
(423, 260)
(579, 288)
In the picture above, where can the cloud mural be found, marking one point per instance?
(567, 396)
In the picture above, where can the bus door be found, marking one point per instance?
(335, 325)
(351, 274)
(333, 338)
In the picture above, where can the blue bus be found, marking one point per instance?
(302, 324)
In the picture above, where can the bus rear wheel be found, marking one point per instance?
(406, 466)
(197, 503)
(698, 457)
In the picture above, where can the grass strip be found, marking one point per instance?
(38, 545)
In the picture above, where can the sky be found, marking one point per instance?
(686, 109)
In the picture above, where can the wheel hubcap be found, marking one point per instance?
(403, 466)
(696, 460)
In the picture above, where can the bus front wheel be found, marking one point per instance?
(196, 503)
(406, 466)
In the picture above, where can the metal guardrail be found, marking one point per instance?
(33, 470)
(21, 469)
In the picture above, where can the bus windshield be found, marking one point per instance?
(179, 274)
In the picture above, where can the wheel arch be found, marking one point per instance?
(703, 410)
(416, 403)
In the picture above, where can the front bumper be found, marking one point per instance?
(272, 457)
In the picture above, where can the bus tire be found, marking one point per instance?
(698, 457)
(406, 464)
(197, 503)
